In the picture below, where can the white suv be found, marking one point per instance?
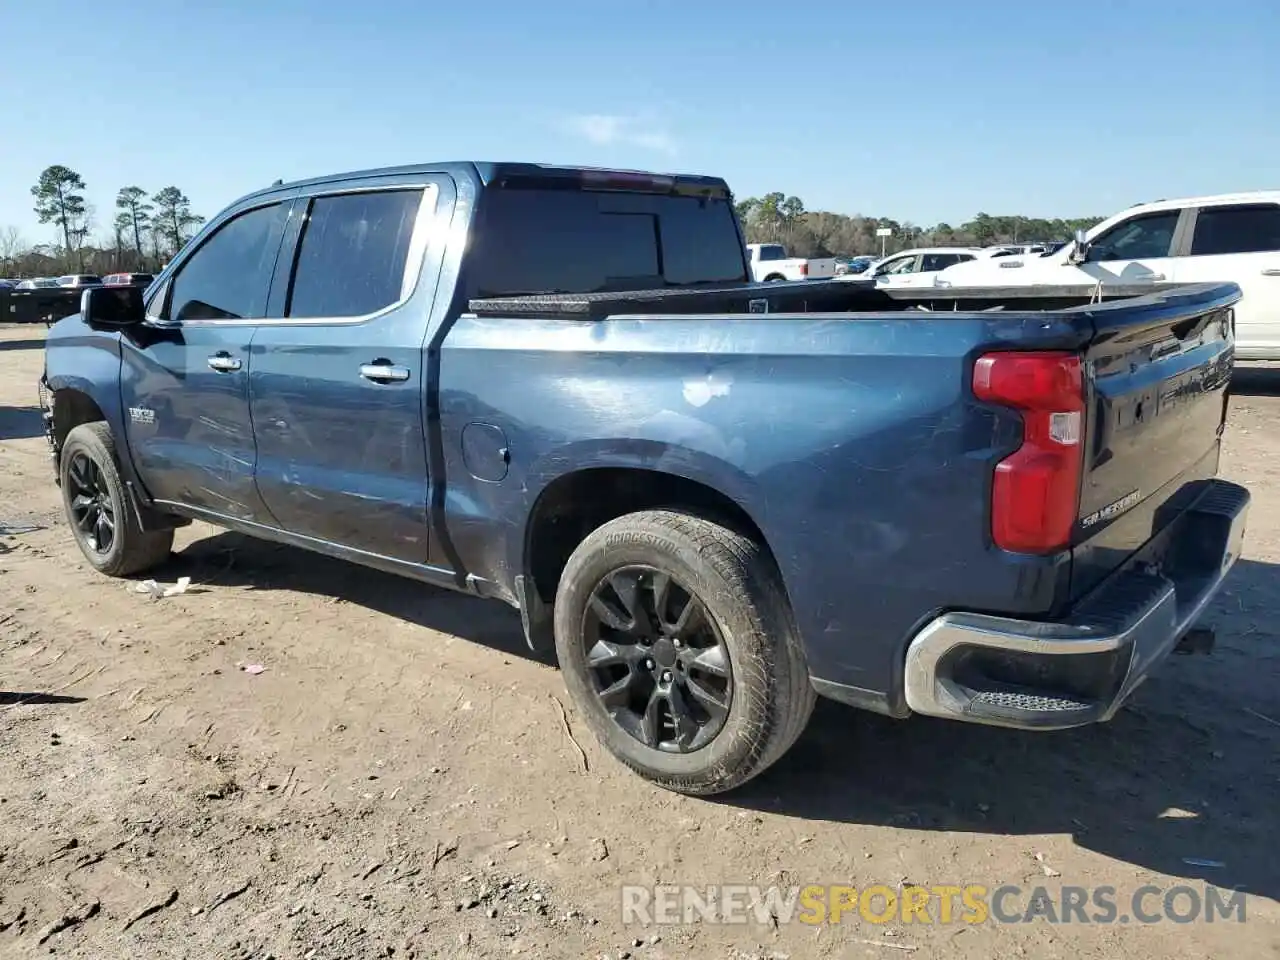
(1230, 237)
(917, 268)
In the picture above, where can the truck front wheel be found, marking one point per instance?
(678, 646)
(98, 509)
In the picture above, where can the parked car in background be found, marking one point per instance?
(79, 280)
(38, 283)
(1227, 237)
(770, 263)
(127, 279)
(917, 268)
(711, 518)
(853, 266)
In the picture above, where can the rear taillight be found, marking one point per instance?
(1036, 489)
(804, 269)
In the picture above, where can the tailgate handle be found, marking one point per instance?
(1271, 272)
(1189, 327)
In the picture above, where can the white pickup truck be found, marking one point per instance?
(769, 262)
(1229, 237)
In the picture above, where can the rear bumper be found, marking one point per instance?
(1044, 676)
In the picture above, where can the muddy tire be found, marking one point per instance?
(98, 508)
(678, 646)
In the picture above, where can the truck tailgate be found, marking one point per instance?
(1157, 377)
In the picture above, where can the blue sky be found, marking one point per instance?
(924, 110)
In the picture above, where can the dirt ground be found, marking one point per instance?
(400, 780)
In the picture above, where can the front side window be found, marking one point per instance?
(899, 266)
(1140, 238)
(228, 276)
(353, 253)
(1243, 229)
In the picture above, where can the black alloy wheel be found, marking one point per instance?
(92, 511)
(657, 660)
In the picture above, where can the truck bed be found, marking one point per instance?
(812, 296)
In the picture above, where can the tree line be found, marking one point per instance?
(145, 231)
(782, 218)
(148, 229)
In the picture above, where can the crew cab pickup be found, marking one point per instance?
(1232, 238)
(714, 499)
(770, 263)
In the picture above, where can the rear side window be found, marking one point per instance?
(229, 275)
(773, 252)
(1141, 238)
(938, 261)
(353, 253)
(1243, 229)
(536, 240)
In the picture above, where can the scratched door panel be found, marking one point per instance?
(184, 374)
(337, 389)
(188, 423)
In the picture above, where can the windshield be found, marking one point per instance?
(543, 240)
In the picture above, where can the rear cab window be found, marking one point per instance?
(533, 239)
(773, 251)
(1246, 228)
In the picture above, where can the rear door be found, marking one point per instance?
(184, 373)
(1240, 243)
(338, 385)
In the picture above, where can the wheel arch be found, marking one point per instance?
(572, 504)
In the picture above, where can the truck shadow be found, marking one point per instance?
(1187, 770)
(32, 343)
(1261, 380)
(231, 559)
(20, 423)
(13, 698)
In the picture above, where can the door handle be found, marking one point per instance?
(224, 363)
(383, 371)
(1271, 272)
(1156, 276)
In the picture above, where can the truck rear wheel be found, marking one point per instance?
(98, 509)
(678, 646)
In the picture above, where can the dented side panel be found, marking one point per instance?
(853, 443)
(188, 424)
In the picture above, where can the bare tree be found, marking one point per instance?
(12, 243)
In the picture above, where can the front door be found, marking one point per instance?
(1241, 243)
(184, 373)
(338, 387)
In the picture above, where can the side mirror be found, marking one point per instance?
(112, 306)
(1080, 252)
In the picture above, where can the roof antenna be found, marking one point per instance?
(277, 183)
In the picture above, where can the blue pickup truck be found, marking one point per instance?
(714, 499)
